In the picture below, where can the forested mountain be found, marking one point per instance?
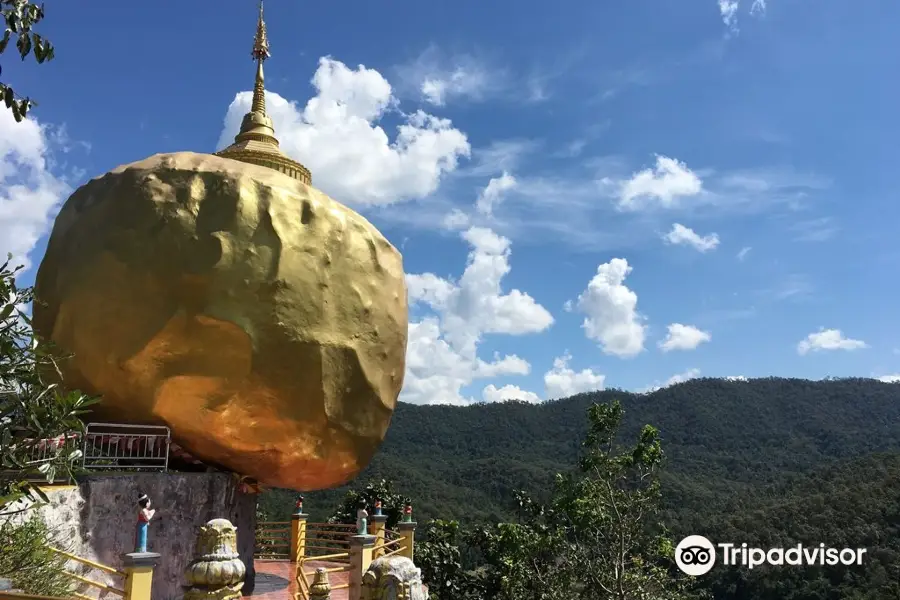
(766, 461)
(724, 439)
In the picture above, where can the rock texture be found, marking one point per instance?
(96, 520)
(393, 578)
(262, 321)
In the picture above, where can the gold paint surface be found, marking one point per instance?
(262, 321)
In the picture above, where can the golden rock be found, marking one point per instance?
(262, 321)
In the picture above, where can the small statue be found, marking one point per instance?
(299, 505)
(143, 522)
(378, 508)
(362, 517)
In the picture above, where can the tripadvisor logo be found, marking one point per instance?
(695, 555)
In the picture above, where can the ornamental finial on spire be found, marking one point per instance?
(260, 42)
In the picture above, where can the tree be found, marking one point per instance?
(597, 538)
(33, 410)
(392, 503)
(607, 514)
(28, 563)
(20, 17)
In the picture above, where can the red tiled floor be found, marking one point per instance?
(275, 579)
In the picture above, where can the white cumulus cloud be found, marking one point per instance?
(442, 353)
(337, 136)
(669, 180)
(683, 337)
(611, 311)
(828, 339)
(685, 236)
(493, 193)
(30, 193)
(677, 378)
(728, 9)
(492, 393)
(889, 378)
(562, 381)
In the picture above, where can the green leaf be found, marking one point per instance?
(6, 311)
(24, 45)
(40, 493)
(4, 42)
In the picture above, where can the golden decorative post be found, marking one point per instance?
(298, 532)
(217, 572)
(407, 530)
(321, 587)
(361, 556)
(376, 528)
(138, 567)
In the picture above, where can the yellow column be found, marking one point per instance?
(376, 528)
(361, 556)
(138, 567)
(298, 536)
(407, 531)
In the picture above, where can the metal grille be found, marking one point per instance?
(119, 447)
(42, 451)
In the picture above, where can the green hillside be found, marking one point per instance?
(724, 440)
(771, 462)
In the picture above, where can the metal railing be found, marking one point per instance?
(121, 447)
(43, 451)
(391, 545)
(90, 582)
(38, 453)
(273, 540)
(325, 537)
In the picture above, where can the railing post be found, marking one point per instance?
(298, 532)
(407, 530)
(376, 528)
(361, 556)
(138, 567)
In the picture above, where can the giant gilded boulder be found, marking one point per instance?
(262, 321)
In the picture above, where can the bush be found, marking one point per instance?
(28, 563)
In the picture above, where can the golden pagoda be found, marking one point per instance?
(256, 142)
(223, 296)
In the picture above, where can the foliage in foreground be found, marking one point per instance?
(771, 462)
(392, 503)
(597, 538)
(19, 19)
(32, 409)
(28, 563)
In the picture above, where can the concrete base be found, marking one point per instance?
(97, 518)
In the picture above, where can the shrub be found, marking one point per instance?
(27, 561)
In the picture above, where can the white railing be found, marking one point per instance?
(117, 446)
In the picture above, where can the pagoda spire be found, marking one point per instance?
(256, 143)
(260, 53)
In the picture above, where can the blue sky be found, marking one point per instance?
(641, 190)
